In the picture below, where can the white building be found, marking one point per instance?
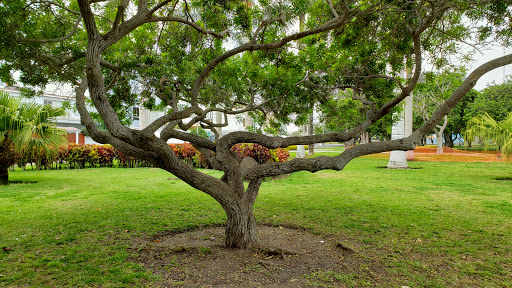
(69, 122)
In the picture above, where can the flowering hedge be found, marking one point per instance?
(190, 155)
(259, 153)
(79, 156)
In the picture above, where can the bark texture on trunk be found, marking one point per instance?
(4, 176)
(241, 232)
(311, 146)
(439, 138)
(439, 135)
(447, 135)
(7, 158)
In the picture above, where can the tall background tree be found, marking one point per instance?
(26, 128)
(432, 92)
(495, 100)
(192, 58)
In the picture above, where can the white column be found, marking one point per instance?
(301, 149)
(401, 129)
(144, 118)
(218, 120)
(397, 158)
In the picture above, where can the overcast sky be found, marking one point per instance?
(497, 75)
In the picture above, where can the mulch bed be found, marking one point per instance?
(283, 257)
(428, 153)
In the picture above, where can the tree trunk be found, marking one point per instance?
(241, 229)
(311, 146)
(439, 137)
(365, 138)
(7, 159)
(4, 175)
(448, 140)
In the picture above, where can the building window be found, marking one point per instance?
(135, 113)
(48, 102)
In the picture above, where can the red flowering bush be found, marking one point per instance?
(259, 153)
(280, 155)
(106, 154)
(126, 161)
(189, 154)
(79, 156)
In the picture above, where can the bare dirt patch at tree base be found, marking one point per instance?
(199, 259)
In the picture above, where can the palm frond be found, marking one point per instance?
(488, 131)
(30, 124)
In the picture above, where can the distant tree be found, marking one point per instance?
(432, 92)
(199, 131)
(342, 113)
(495, 100)
(491, 132)
(25, 127)
(457, 119)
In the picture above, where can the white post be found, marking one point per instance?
(401, 129)
(144, 119)
(218, 120)
(397, 158)
(301, 149)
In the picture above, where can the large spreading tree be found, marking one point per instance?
(191, 58)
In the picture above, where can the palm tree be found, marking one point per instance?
(26, 127)
(485, 128)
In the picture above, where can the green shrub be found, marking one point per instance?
(294, 147)
(259, 153)
(80, 156)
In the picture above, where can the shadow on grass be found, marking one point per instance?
(21, 182)
(408, 168)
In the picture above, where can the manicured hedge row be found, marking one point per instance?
(78, 156)
(260, 154)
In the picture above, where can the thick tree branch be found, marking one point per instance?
(458, 94)
(89, 21)
(120, 13)
(333, 11)
(271, 142)
(324, 162)
(188, 137)
(179, 115)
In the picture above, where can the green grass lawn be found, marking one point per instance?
(444, 225)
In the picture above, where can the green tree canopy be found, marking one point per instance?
(432, 91)
(495, 100)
